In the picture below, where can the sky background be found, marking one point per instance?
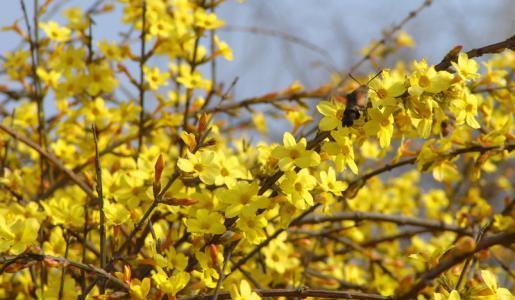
(340, 27)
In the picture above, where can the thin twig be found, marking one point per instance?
(63, 269)
(27, 257)
(98, 167)
(141, 85)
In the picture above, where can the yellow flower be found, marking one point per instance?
(295, 154)
(404, 40)
(193, 80)
(279, 256)
(244, 292)
(17, 234)
(65, 211)
(343, 150)
(171, 259)
(298, 118)
(76, 19)
(380, 124)
(465, 110)
(208, 274)
(329, 183)
(384, 91)
(155, 78)
(230, 170)
(139, 289)
(111, 50)
(491, 282)
(205, 222)
(201, 164)
(242, 195)
(207, 20)
(56, 245)
(297, 188)
(333, 114)
(68, 59)
(116, 213)
(259, 122)
(223, 49)
(453, 295)
(100, 79)
(51, 78)
(170, 285)
(466, 68)
(435, 201)
(428, 80)
(56, 32)
(252, 225)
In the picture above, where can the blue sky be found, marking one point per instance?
(340, 27)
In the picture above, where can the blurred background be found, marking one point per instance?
(327, 33)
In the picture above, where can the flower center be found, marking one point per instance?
(423, 81)
(294, 154)
(382, 93)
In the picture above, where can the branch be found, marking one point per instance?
(27, 257)
(375, 216)
(50, 157)
(299, 294)
(449, 262)
(103, 250)
(493, 48)
(141, 85)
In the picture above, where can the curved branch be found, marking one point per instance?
(449, 262)
(50, 157)
(493, 48)
(27, 257)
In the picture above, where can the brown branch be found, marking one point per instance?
(299, 294)
(28, 257)
(141, 85)
(493, 48)
(393, 237)
(380, 217)
(50, 157)
(103, 249)
(318, 93)
(36, 95)
(449, 262)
